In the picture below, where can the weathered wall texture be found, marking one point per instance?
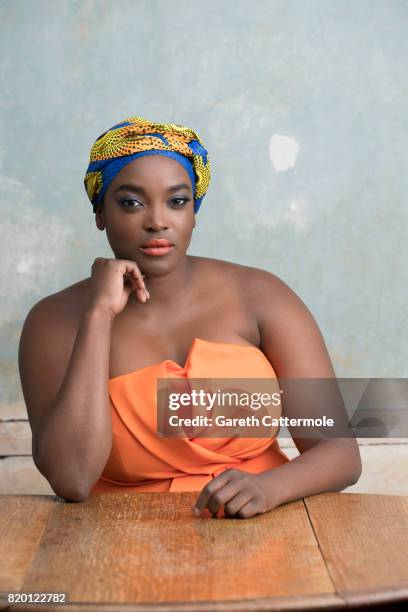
(302, 106)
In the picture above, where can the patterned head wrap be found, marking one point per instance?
(135, 137)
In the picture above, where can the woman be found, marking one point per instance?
(90, 355)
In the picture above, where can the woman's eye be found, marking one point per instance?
(124, 202)
(180, 201)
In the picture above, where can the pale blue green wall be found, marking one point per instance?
(330, 77)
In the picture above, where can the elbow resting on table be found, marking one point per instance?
(356, 473)
(74, 493)
(352, 464)
(71, 495)
(354, 467)
(355, 477)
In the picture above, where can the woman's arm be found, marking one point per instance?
(330, 465)
(66, 394)
(291, 340)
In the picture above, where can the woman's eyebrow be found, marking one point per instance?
(139, 188)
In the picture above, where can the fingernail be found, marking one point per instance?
(196, 511)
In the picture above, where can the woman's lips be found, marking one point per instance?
(156, 250)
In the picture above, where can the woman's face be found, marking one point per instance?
(143, 203)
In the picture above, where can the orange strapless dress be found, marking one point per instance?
(141, 460)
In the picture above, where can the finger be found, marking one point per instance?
(140, 276)
(132, 269)
(141, 294)
(235, 504)
(212, 487)
(223, 496)
(137, 279)
(129, 287)
(130, 284)
(248, 510)
(128, 275)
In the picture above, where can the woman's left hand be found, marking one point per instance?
(241, 493)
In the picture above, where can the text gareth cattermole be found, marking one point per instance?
(208, 400)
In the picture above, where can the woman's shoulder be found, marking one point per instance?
(224, 266)
(250, 279)
(262, 294)
(266, 295)
(65, 305)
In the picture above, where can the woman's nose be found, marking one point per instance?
(155, 219)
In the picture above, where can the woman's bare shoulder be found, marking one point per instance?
(225, 268)
(74, 292)
(273, 297)
(66, 304)
(260, 280)
(250, 279)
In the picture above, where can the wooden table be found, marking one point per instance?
(328, 551)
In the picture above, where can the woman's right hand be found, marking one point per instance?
(112, 281)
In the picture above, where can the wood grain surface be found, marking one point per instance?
(23, 521)
(147, 552)
(364, 541)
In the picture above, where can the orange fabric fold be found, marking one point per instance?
(142, 460)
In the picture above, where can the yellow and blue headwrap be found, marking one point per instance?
(135, 137)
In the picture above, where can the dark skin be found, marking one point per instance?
(178, 284)
(178, 309)
(284, 329)
(130, 217)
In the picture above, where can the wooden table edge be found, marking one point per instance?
(325, 601)
(389, 594)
